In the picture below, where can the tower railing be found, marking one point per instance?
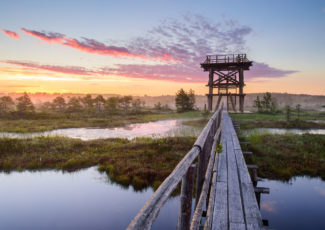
(226, 58)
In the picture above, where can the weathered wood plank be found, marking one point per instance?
(237, 226)
(222, 165)
(252, 212)
(242, 168)
(220, 215)
(236, 214)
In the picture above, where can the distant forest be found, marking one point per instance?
(282, 99)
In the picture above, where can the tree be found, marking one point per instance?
(185, 101)
(25, 105)
(74, 105)
(191, 99)
(99, 102)
(136, 105)
(88, 102)
(6, 104)
(111, 104)
(125, 102)
(59, 104)
(266, 105)
(157, 106)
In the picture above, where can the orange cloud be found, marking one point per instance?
(11, 34)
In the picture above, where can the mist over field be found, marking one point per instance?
(315, 102)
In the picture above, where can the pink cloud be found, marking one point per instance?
(47, 37)
(89, 45)
(268, 206)
(11, 34)
(181, 45)
(76, 70)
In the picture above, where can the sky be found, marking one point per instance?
(139, 47)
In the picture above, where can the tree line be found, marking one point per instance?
(87, 104)
(184, 101)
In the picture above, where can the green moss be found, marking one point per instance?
(257, 120)
(285, 156)
(139, 162)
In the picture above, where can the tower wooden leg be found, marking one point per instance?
(218, 103)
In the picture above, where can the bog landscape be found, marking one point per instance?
(162, 115)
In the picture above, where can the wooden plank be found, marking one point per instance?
(252, 166)
(237, 226)
(252, 212)
(220, 215)
(242, 168)
(236, 214)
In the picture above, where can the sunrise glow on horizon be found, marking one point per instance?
(155, 48)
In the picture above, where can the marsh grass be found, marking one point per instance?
(257, 120)
(141, 162)
(282, 157)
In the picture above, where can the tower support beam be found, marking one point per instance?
(229, 71)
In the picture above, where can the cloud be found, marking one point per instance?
(268, 206)
(75, 70)
(188, 41)
(177, 48)
(262, 70)
(10, 33)
(85, 45)
(20, 86)
(45, 36)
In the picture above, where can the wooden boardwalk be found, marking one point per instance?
(235, 205)
(225, 196)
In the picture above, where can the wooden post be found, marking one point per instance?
(241, 90)
(210, 95)
(218, 103)
(185, 211)
(201, 171)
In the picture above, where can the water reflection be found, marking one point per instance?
(299, 204)
(155, 129)
(82, 200)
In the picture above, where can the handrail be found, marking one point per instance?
(149, 212)
(204, 193)
(225, 58)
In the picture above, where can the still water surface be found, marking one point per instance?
(299, 204)
(155, 129)
(82, 200)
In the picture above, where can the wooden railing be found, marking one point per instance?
(205, 150)
(225, 58)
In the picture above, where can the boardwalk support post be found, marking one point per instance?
(185, 211)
